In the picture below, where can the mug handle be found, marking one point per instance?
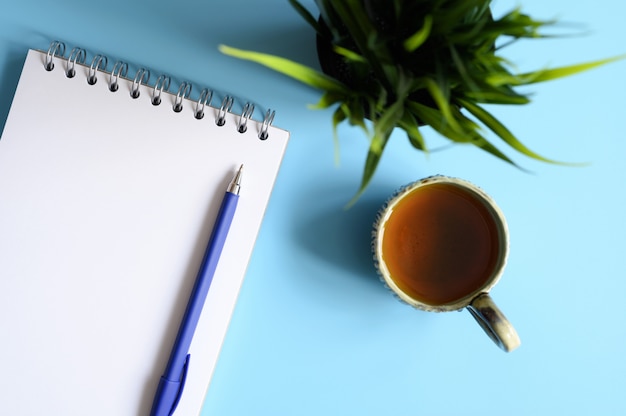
(493, 321)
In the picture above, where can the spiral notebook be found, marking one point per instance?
(109, 187)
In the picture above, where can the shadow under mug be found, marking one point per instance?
(440, 244)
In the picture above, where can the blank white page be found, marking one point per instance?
(106, 206)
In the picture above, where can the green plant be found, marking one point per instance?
(409, 63)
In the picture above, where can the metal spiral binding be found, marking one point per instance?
(183, 92)
(206, 95)
(242, 126)
(78, 56)
(227, 104)
(162, 83)
(267, 122)
(139, 79)
(99, 62)
(56, 48)
(119, 70)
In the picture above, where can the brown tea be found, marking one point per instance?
(440, 244)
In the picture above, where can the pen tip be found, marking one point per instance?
(235, 184)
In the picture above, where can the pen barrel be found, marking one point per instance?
(201, 286)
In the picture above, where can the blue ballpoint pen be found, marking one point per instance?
(172, 382)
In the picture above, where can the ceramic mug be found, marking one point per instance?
(440, 244)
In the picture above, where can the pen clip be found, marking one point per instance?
(183, 377)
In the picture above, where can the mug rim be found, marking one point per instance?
(489, 203)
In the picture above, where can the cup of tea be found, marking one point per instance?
(440, 244)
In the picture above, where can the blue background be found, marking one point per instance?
(314, 332)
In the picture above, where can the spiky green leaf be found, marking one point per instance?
(409, 124)
(290, 68)
(327, 100)
(443, 102)
(435, 118)
(338, 116)
(548, 74)
(500, 96)
(348, 54)
(374, 154)
(498, 128)
(418, 38)
(306, 15)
